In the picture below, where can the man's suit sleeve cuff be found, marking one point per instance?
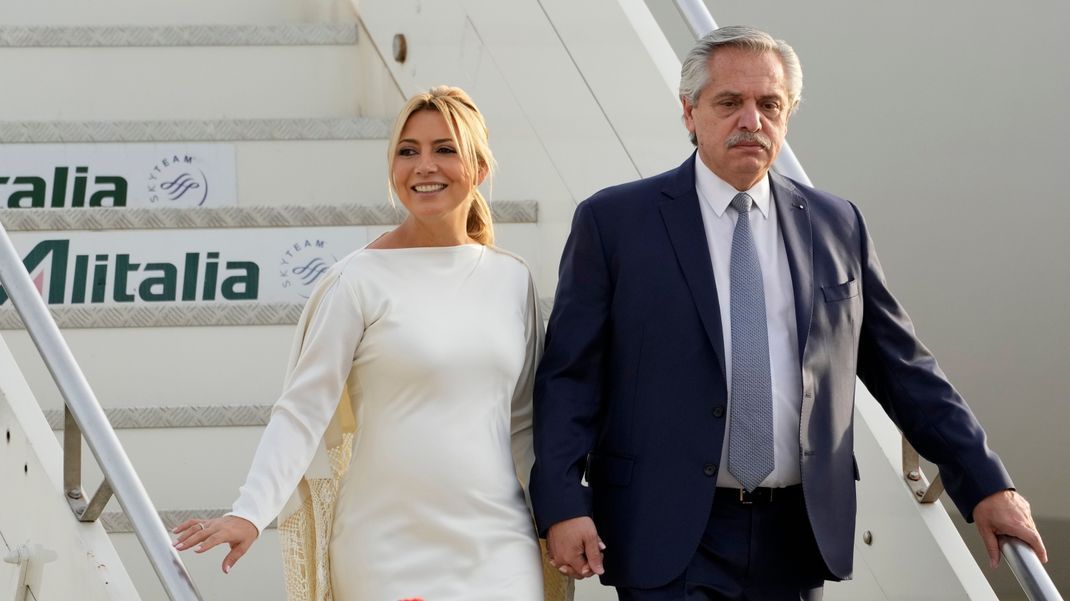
(548, 514)
(967, 495)
(544, 526)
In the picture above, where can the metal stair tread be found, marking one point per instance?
(186, 416)
(116, 522)
(218, 130)
(177, 315)
(140, 218)
(290, 34)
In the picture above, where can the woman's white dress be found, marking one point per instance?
(440, 342)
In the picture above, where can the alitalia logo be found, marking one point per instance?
(69, 188)
(64, 277)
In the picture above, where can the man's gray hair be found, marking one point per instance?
(694, 74)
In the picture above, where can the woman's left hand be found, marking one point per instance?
(238, 533)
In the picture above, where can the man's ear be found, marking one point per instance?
(689, 119)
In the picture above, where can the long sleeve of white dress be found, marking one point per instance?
(522, 408)
(308, 401)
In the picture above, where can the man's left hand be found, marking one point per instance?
(1006, 512)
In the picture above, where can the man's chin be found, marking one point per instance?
(744, 177)
(755, 168)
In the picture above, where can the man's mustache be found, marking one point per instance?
(748, 137)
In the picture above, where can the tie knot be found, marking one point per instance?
(742, 202)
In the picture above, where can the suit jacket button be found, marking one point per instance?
(710, 469)
(718, 411)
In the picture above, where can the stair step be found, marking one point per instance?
(174, 315)
(208, 130)
(303, 34)
(116, 522)
(190, 416)
(240, 276)
(257, 82)
(256, 173)
(166, 316)
(106, 13)
(127, 218)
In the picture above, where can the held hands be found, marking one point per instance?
(1006, 512)
(237, 532)
(574, 547)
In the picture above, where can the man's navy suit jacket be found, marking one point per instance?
(631, 389)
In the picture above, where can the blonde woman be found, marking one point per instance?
(422, 346)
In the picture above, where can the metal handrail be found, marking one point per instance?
(1021, 558)
(1027, 568)
(85, 413)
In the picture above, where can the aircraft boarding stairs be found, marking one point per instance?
(293, 100)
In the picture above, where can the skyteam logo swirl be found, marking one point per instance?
(303, 264)
(178, 181)
(178, 187)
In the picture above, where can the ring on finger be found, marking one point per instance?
(203, 527)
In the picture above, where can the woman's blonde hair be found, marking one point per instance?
(469, 131)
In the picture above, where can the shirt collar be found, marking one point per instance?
(718, 194)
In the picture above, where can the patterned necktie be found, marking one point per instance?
(750, 446)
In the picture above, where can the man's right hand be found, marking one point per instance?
(574, 547)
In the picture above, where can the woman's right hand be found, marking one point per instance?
(238, 533)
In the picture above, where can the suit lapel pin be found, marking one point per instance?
(798, 205)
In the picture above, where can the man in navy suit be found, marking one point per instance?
(699, 372)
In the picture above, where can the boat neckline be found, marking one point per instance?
(451, 247)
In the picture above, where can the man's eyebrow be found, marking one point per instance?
(727, 94)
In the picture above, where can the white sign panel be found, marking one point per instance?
(117, 175)
(182, 266)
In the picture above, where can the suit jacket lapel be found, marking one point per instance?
(683, 220)
(794, 218)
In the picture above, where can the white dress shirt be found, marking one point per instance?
(715, 198)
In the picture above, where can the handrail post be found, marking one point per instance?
(72, 463)
(86, 415)
(924, 491)
(72, 474)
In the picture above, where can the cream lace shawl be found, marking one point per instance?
(304, 525)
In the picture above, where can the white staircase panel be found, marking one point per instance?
(645, 118)
(124, 84)
(69, 559)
